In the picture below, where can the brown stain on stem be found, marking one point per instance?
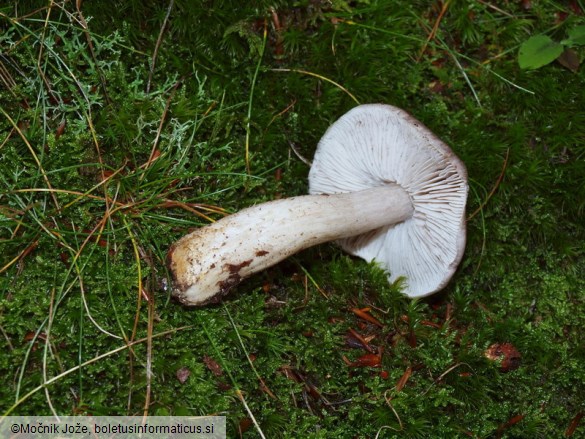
(233, 279)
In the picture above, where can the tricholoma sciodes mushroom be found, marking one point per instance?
(382, 185)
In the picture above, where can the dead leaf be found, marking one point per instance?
(364, 314)
(244, 425)
(183, 374)
(403, 379)
(60, 129)
(575, 7)
(366, 360)
(574, 424)
(354, 339)
(569, 59)
(506, 353)
(512, 421)
(213, 366)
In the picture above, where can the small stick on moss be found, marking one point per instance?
(35, 157)
(289, 106)
(388, 399)
(443, 375)
(433, 30)
(56, 378)
(157, 45)
(149, 334)
(494, 188)
(152, 156)
(251, 98)
(364, 314)
(324, 78)
(299, 155)
(362, 340)
(85, 28)
(241, 397)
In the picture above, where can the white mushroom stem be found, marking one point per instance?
(209, 261)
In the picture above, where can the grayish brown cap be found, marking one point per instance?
(374, 145)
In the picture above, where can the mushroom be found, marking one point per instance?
(382, 185)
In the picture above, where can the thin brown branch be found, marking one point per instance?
(36, 159)
(85, 28)
(289, 106)
(362, 340)
(193, 208)
(157, 46)
(87, 363)
(41, 52)
(7, 79)
(495, 8)
(443, 375)
(388, 401)
(434, 29)
(152, 156)
(299, 155)
(10, 345)
(25, 16)
(494, 188)
(149, 333)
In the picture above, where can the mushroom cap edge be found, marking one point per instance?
(375, 144)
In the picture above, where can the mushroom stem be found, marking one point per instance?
(209, 261)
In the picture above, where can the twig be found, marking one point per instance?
(263, 385)
(298, 154)
(138, 301)
(384, 427)
(46, 349)
(151, 158)
(10, 346)
(495, 8)
(241, 396)
(85, 28)
(21, 255)
(157, 46)
(41, 47)
(494, 188)
(315, 284)
(289, 106)
(86, 306)
(189, 208)
(7, 79)
(443, 375)
(388, 399)
(451, 53)
(87, 363)
(316, 75)
(149, 331)
(251, 98)
(36, 159)
(433, 30)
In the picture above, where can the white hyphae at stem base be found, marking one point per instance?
(383, 186)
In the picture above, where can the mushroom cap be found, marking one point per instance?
(377, 144)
